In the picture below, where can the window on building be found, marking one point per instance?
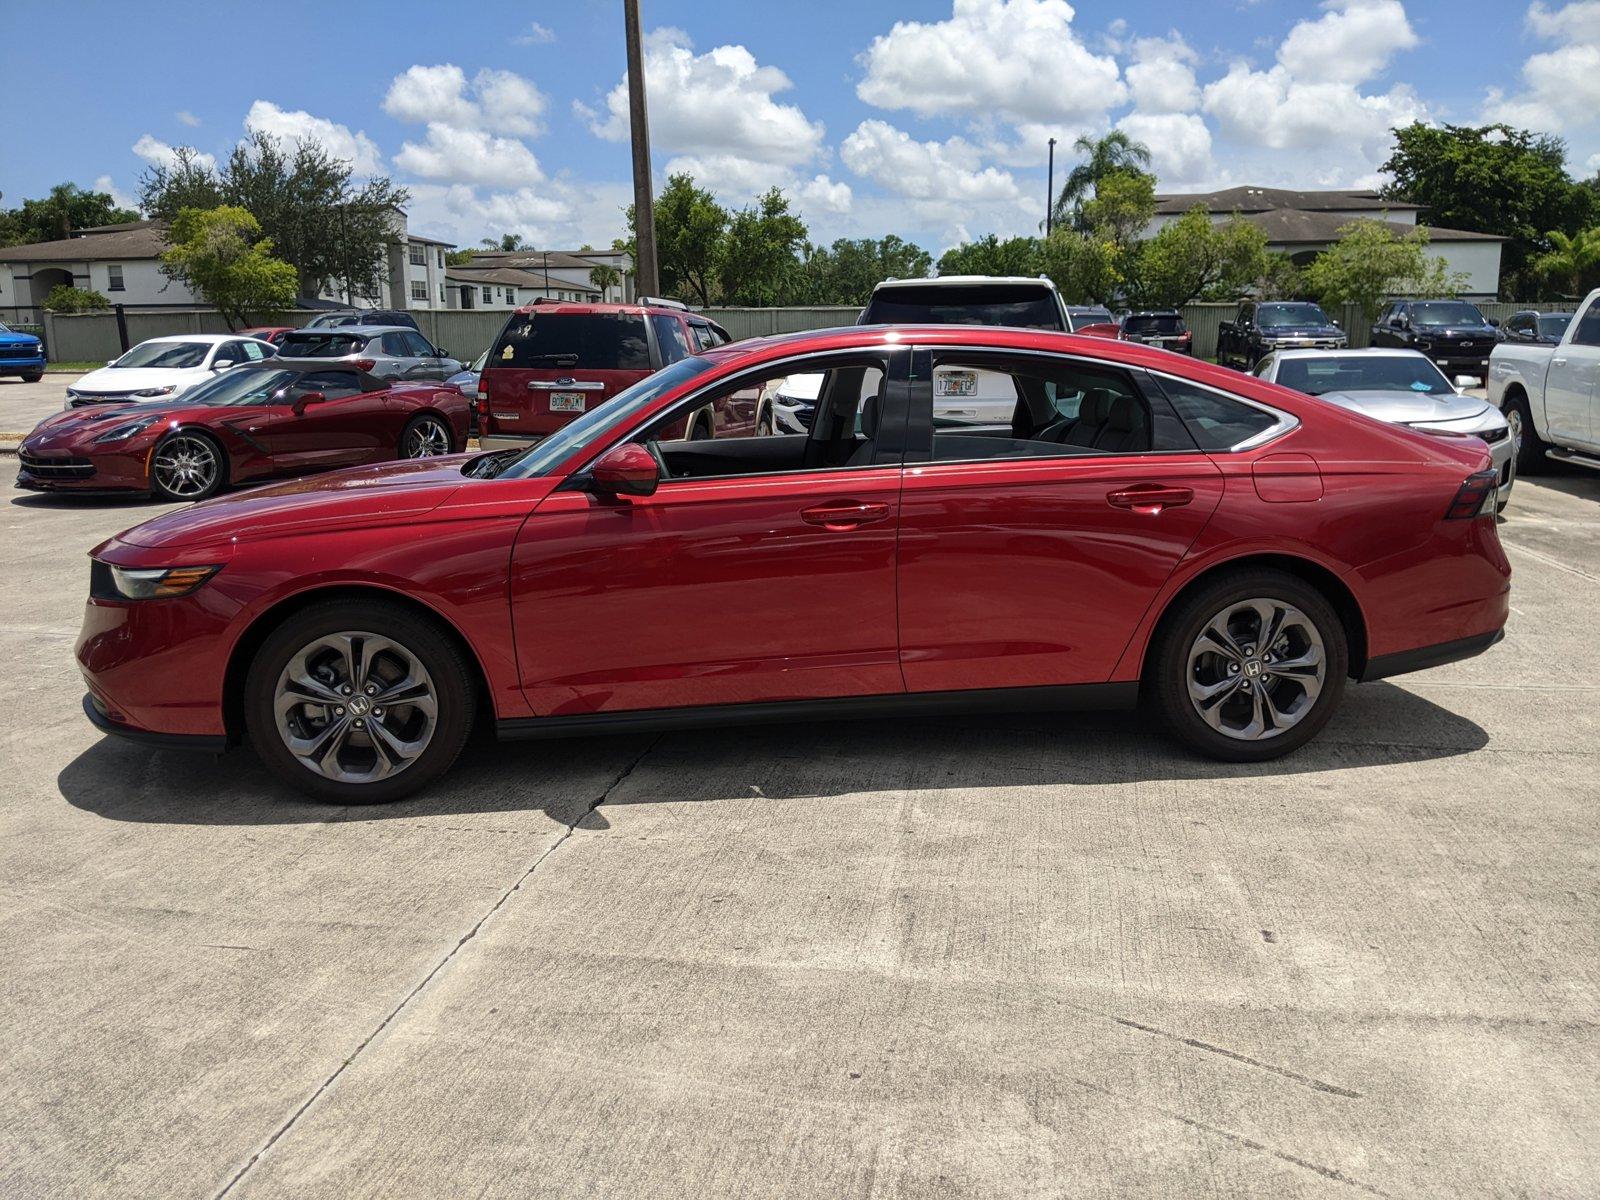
(488, 295)
(419, 255)
(419, 289)
(439, 260)
(114, 278)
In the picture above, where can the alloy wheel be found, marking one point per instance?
(186, 466)
(427, 438)
(355, 707)
(1256, 669)
(1513, 417)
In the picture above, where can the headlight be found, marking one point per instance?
(160, 391)
(127, 430)
(74, 394)
(109, 582)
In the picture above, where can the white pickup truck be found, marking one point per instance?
(1550, 395)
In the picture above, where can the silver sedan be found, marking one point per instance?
(1402, 387)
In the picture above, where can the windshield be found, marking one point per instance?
(1079, 317)
(1282, 316)
(1153, 323)
(326, 344)
(1024, 306)
(588, 341)
(4, 328)
(569, 439)
(241, 387)
(1363, 373)
(176, 356)
(1554, 324)
(1445, 312)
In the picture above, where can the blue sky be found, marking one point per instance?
(925, 119)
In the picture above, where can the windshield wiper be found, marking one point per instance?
(555, 360)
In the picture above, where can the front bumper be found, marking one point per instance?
(69, 469)
(31, 365)
(95, 710)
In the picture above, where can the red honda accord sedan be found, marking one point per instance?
(1144, 525)
(252, 422)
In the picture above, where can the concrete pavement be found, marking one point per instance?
(1035, 955)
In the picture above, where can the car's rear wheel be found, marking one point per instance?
(764, 423)
(1249, 666)
(351, 715)
(187, 466)
(699, 428)
(1527, 447)
(425, 436)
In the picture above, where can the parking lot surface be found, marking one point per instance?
(1029, 955)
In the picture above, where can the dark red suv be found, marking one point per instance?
(555, 361)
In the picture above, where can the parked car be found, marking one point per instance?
(1454, 333)
(165, 368)
(388, 353)
(1021, 301)
(1402, 387)
(388, 317)
(1079, 316)
(21, 354)
(1551, 394)
(556, 360)
(1259, 328)
(254, 422)
(1539, 328)
(268, 333)
(1106, 329)
(1099, 548)
(1162, 327)
(465, 380)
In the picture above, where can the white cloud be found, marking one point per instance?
(469, 156)
(1577, 22)
(119, 197)
(158, 153)
(537, 35)
(1274, 109)
(500, 101)
(1561, 87)
(949, 170)
(185, 117)
(823, 194)
(718, 108)
(1180, 145)
(1351, 43)
(360, 151)
(1161, 78)
(559, 213)
(1019, 60)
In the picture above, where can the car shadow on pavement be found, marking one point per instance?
(59, 501)
(1577, 482)
(1378, 725)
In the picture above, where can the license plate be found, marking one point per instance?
(567, 401)
(956, 383)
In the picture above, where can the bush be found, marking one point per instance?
(64, 299)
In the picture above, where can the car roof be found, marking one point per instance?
(937, 281)
(1362, 352)
(579, 307)
(208, 338)
(356, 330)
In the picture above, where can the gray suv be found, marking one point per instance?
(389, 352)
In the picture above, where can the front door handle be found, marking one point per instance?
(1149, 499)
(846, 514)
(1558, 362)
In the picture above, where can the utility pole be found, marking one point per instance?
(547, 274)
(644, 216)
(1050, 190)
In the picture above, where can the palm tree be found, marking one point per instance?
(1116, 151)
(1570, 260)
(605, 277)
(507, 242)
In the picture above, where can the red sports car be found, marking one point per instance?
(252, 422)
(1143, 524)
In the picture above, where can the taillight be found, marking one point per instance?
(1186, 335)
(366, 364)
(1471, 497)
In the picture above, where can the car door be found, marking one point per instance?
(430, 364)
(1028, 558)
(348, 426)
(762, 571)
(1570, 385)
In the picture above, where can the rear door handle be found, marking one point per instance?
(846, 514)
(1149, 499)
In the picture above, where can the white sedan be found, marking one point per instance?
(165, 367)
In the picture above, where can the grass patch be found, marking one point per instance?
(71, 368)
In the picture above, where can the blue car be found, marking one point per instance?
(21, 354)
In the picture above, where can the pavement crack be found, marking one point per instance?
(1196, 1043)
(444, 962)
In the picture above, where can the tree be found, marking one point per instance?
(689, 228)
(457, 258)
(1116, 151)
(1571, 263)
(990, 256)
(1370, 262)
(1194, 257)
(1123, 204)
(66, 209)
(219, 253)
(757, 262)
(1083, 266)
(64, 299)
(847, 271)
(605, 277)
(320, 222)
(1279, 279)
(507, 242)
(1492, 179)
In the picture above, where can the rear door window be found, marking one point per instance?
(586, 341)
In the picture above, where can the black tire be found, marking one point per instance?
(451, 674)
(764, 424)
(1531, 447)
(219, 478)
(33, 378)
(409, 435)
(1166, 682)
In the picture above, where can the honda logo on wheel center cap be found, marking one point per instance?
(1252, 667)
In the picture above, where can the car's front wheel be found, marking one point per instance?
(187, 466)
(1248, 666)
(358, 702)
(425, 436)
(1527, 447)
(34, 378)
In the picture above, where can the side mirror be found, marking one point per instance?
(111, 362)
(307, 398)
(222, 364)
(626, 470)
(1336, 323)
(440, 352)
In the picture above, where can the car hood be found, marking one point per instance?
(1283, 331)
(355, 498)
(95, 419)
(1455, 331)
(1408, 408)
(11, 339)
(133, 379)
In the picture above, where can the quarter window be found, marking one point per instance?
(1215, 421)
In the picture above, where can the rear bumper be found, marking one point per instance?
(1424, 657)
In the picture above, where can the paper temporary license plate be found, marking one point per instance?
(956, 383)
(566, 401)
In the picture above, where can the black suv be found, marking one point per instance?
(1451, 332)
(1535, 328)
(1258, 328)
(1163, 327)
